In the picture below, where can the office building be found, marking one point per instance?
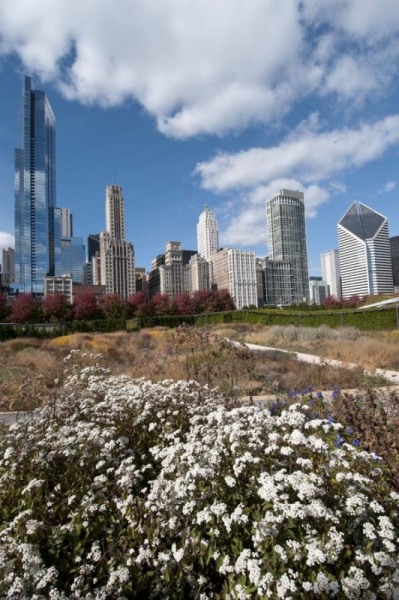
(286, 236)
(235, 271)
(93, 245)
(59, 285)
(198, 278)
(35, 195)
(278, 282)
(364, 252)
(169, 275)
(318, 290)
(8, 267)
(207, 234)
(66, 222)
(72, 260)
(394, 245)
(116, 254)
(331, 272)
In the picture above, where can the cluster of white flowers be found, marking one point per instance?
(124, 487)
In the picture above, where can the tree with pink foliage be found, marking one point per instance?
(56, 308)
(113, 307)
(85, 307)
(161, 304)
(26, 309)
(183, 304)
(138, 305)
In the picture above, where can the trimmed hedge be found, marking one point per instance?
(379, 319)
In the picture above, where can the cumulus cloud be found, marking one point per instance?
(6, 241)
(308, 155)
(246, 225)
(201, 68)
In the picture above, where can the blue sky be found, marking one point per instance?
(221, 103)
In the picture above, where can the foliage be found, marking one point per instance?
(161, 305)
(138, 305)
(25, 309)
(85, 307)
(209, 301)
(183, 304)
(4, 310)
(139, 490)
(56, 308)
(113, 307)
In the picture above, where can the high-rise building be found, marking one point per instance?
(8, 275)
(235, 271)
(66, 222)
(116, 254)
(73, 254)
(286, 236)
(318, 289)
(207, 234)
(331, 272)
(394, 244)
(364, 252)
(34, 191)
(93, 245)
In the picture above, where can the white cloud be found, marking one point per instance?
(388, 187)
(6, 241)
(308, 155)
(200, 67)
(247, 225)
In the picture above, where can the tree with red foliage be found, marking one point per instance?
(85, 307)
(26, 309)
(56, 308)
(138, 305)
(113, 307)
(161, 305)
(212, 301)
(4, 310)
(332, 302)
(352, 302)
(183, 304)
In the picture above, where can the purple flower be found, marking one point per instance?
(339, 440)
(356, 442)
(320, 395)
(292, 393)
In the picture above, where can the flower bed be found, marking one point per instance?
(124, 488)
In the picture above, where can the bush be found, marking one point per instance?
(139, 490)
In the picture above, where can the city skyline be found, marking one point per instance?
(225, 129)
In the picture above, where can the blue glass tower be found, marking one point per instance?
(34, 192)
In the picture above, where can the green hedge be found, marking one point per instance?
(379, 319)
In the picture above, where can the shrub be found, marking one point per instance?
(139, 490)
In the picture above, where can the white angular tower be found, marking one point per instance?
(207, 234)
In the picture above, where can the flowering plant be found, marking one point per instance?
(127, 489)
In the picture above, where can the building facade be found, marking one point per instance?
(364, 252)
(8, 267)
(207, 234)
(318, 290)
(331, 272)
(394, 245)
(235, 270)
(35, 193)
(286, 236)
(116, 254)
(59, 285)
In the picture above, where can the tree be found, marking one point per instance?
(56, 308)
(113, 307)
(85, 307)
(26, 309)
(138, 305)
(161, 304)
(4, 310)
(183, 304)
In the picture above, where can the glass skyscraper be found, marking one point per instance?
(286, 235)
(34, 192)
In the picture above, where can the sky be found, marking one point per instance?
(208, 102)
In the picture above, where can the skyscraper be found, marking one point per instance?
(331, 272)
(116, 254)
(207, 234)
(34, 191)
(364, 252)
(286, 236)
